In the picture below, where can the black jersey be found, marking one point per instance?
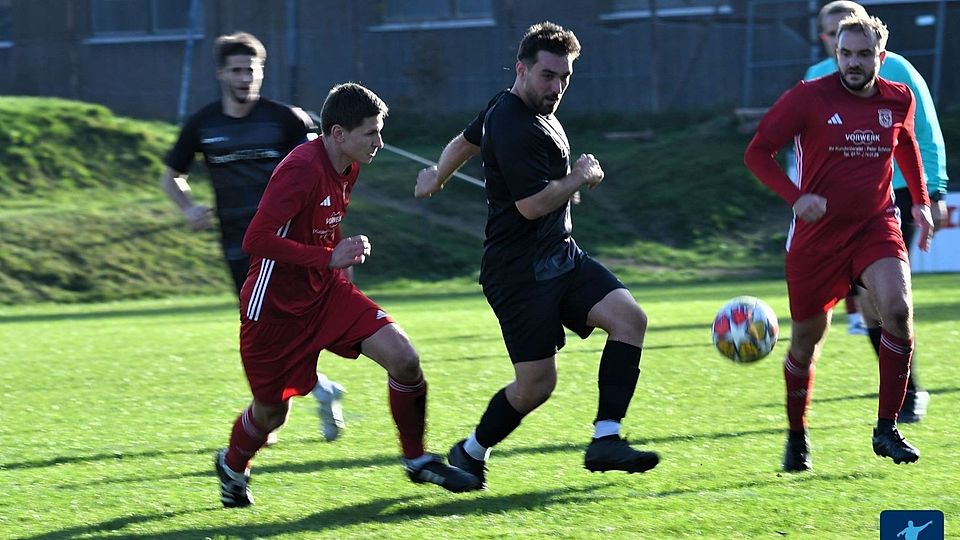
(522, 152)
(241, 154)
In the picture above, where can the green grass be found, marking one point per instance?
(112, 412)
(82, 216)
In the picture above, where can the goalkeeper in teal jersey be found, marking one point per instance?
(932, 151)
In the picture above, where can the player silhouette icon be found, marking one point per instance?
(910, 532)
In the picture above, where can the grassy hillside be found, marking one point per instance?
(82, 217)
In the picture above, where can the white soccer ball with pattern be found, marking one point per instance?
(745, 329)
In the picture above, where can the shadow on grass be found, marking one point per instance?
(779, 480)
(382, 459)
(371, 461)
(869, 395)
(212, 307)
(372, 512)
(117, 524)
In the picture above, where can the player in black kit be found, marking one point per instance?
(535, 277)
(243, 137)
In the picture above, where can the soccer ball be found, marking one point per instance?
(745, 329)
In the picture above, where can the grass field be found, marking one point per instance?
(112, 413)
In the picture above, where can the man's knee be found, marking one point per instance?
(531, 397)
(405, 364)
(531, 392)
(270, 417)
(627, 321)
(897, 315)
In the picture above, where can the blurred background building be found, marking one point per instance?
(152, 58)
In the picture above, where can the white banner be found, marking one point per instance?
(944, 255)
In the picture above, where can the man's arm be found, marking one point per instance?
(760, 156)
(454, 155)
(586, 171)
(782, 122)
(927, 130)
(177, 188)
(907, 155)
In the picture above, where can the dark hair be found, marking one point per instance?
(348, 105)
(550, 37)
(238, 43)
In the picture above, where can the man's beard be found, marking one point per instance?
(543, 106)
(868, 78)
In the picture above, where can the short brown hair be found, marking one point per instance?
(348, 105)
(868, 26)
(550, 37)
(238, 43)
(839, 6)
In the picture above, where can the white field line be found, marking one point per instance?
(427, 162)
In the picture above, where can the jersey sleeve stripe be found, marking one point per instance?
(263, 280)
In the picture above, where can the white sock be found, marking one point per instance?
(606, 427)
(474, 450)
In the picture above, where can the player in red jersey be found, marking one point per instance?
(243, 136)
(848, 127)
(297, 301)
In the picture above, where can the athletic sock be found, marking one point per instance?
(475, 449)
(617, 379)
(408, 404)
(604, 428)
(246, 439)
(498, 421)
(912, 385)
(799, 383)
(894, 370)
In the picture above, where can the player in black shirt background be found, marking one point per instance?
(535, 277)
(243, 137)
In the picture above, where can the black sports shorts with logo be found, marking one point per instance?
(533, 315)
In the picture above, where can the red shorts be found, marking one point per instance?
(280, 357)
(818, 277)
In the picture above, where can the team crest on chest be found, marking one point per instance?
(886, 117)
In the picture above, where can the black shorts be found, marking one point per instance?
(905, 205)
(533, 315)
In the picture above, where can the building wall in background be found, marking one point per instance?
(692, 54)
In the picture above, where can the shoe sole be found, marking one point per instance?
(441, 481)
(642, 466)
(898, 461)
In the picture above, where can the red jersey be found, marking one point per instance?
(845, 150)
(291, 238)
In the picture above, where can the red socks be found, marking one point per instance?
(246, 440)
(408, 404)
(799, 382)
(895, 356)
